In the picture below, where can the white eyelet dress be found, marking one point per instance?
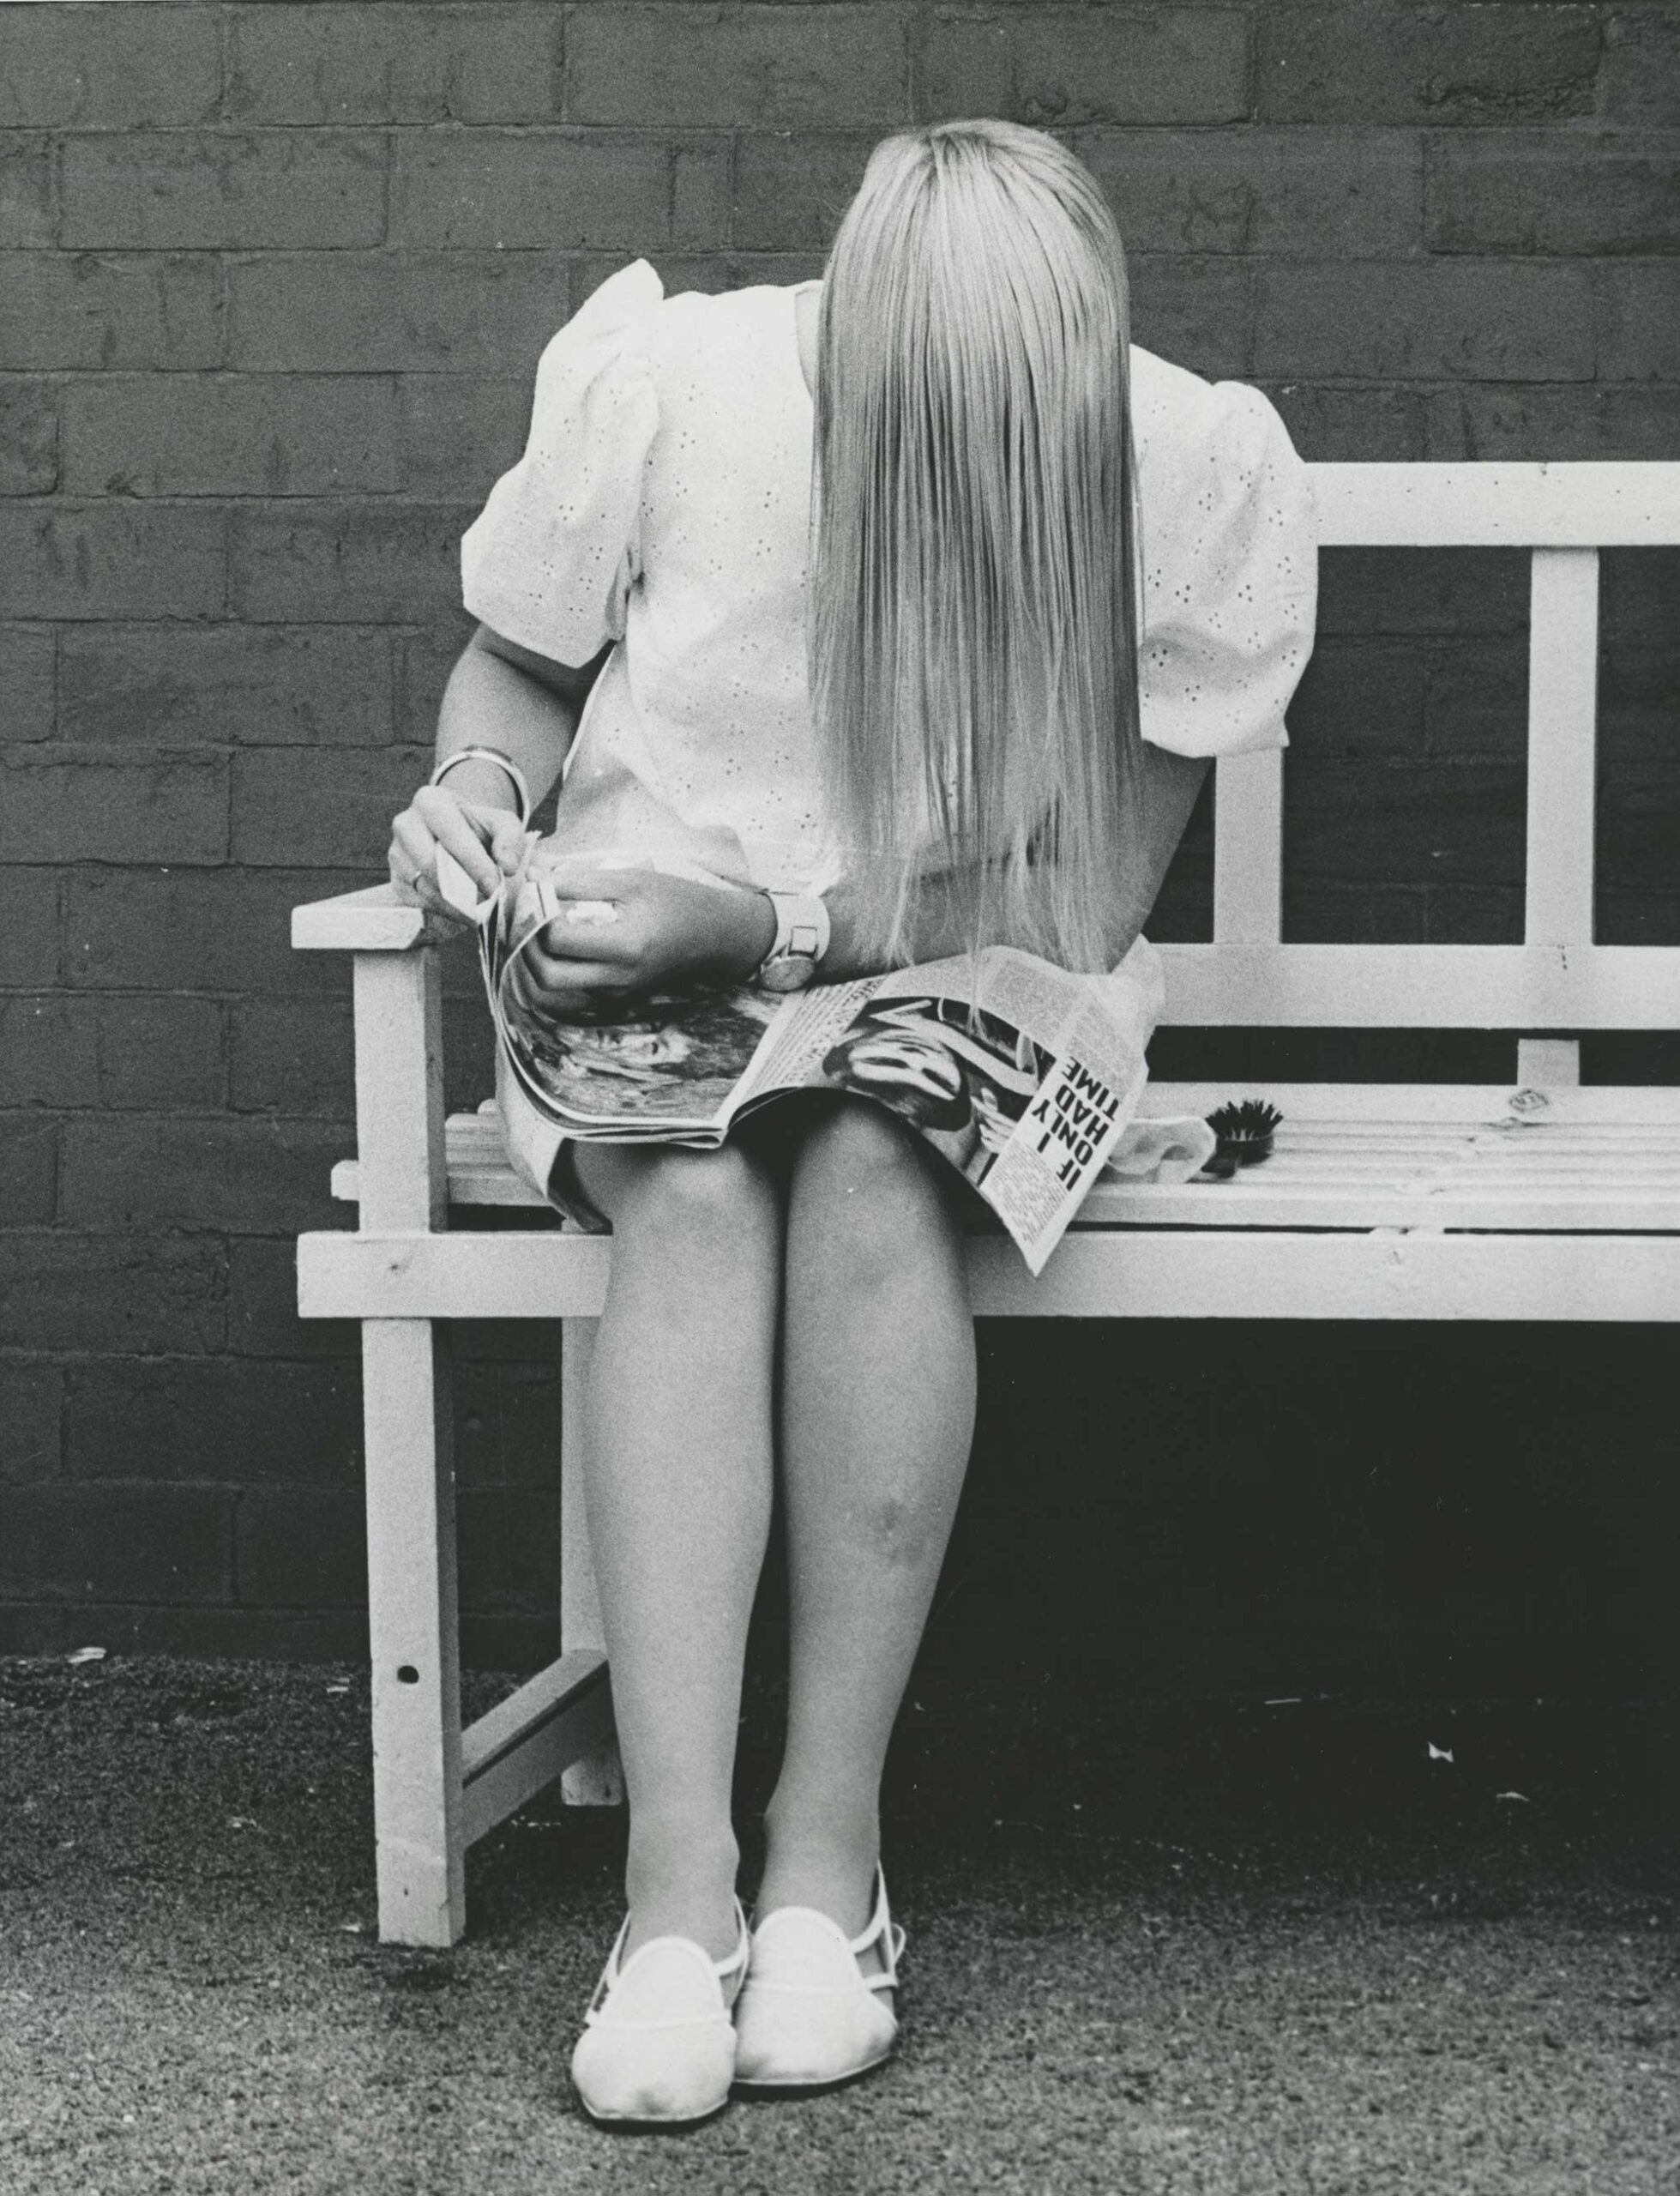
(663, 504)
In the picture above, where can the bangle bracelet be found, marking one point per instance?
(506, 764)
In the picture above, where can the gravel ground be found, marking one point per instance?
(1312, 1947)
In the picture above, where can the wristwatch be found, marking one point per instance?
(801, 941)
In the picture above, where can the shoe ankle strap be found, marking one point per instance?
(725, 1969)
(883, 1930)
(735, 1962)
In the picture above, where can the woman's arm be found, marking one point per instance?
(669, 930)
(499, 695)
(1169, 785)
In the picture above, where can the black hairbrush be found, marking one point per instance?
(1244, 1132)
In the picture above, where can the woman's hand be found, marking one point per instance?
(488, 843)
(630, 933)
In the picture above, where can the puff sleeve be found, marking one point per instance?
(550, 559)
(1230, 563)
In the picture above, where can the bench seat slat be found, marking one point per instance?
(1353, 1105)
(477, 1143)
(1572, 1177)
(1378, 1273)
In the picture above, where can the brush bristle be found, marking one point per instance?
(1245, 1121)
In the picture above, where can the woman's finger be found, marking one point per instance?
(576, 882)
(453, 827)
(581, 1007)
(581, 992)
(415, 840)
(408, 832)
(417, 887)
(578, 935)
(596, 977)
(413, 859)
(507, 843)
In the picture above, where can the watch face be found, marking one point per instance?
(791, 973)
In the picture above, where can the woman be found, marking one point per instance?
(914, 648)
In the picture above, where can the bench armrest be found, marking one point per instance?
(398, 1049)
(373, 920)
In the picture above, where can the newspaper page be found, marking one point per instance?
(1042, 1079)
(1011, 1069)
(666, 1068)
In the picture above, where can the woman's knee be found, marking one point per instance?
(711, 1194)
(867, 1182)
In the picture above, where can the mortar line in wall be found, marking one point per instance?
(1250, 65)
(346, 1359)
(224, 70)
(233, 1544)
(560, 84)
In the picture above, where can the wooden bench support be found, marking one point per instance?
(412, 1626)
(563, 1714)
(592, 1778)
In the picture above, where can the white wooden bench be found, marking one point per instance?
(1540, 1199)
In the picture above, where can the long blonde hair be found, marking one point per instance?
(973, 621)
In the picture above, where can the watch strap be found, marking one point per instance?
(803, 933)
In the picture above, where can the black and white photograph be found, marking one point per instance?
(840, 1097)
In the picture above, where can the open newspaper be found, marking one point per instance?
(1015, 1071)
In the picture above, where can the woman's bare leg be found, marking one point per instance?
(877, 1417)
(678, 1482)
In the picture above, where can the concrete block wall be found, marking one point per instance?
(272, 281)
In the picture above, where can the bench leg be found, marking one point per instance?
(596, 1780)
(413, 1636)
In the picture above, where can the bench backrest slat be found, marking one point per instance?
(1573, 506)
(1248, 849)
(1563, 745)
(1560, 979)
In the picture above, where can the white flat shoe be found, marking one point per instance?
(658, 2047)
(808, 2016)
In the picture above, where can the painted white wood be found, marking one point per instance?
(1562, 747)
(550, 1693)
(1248, 848)
(553, 1752)
(400, 1091)
(373, 920)
(1351, 1104)
(472, 1182)
(413, 1634)
(1387, 1189)
(1532, 506)
(1140, 1272)
(1582, 1159)
(1419, 1273)
(529, 1739)
(595, 1779)
(1401, 1204)
(1423, 986)
(1549, 1063)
